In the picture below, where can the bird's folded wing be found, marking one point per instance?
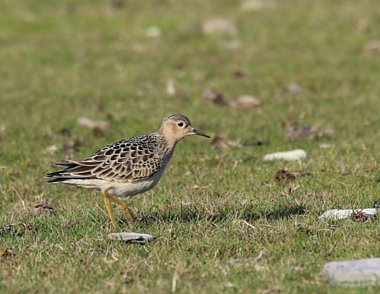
(128, 160)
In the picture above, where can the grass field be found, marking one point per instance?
(222, 221)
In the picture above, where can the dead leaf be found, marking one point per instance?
(300, 132)
(245, 101)
(99, 127)
(44, 208)
(239, 74)
(218, 26)
(221, 142)
(307, 132)
(284, 175)
(372, 46)
(214, 96)
(359, 216)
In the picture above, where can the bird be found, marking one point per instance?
(127, 167)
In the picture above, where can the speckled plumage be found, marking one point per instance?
(127, 160)
(129, 166)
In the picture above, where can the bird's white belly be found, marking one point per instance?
(118, 188)
(131, 188)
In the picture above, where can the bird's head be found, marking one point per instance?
(177, 126)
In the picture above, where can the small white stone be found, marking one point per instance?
(353, 272)
(345, 213)
(291, 155)
(131, 237)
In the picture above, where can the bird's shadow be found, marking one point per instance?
(194, 215)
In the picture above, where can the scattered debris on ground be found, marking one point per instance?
(257, 142)
(65, 132)
(256, 5)
(220, 142)
(43, 207)
(117, 4)
(307, 132)
(132, 237)
(364, 25)
(291, 155)
(212, 95)
(3, 128)
(372, 46)
(238, 74)
(245, 101)
(219, 26)
(246, 261)
(359, 216)
(50, 150)
(12, 230)
(231, 44)
(353, 272)
(326, 145)
(6, 252)
(284, 175)
(99, 127)
(153, 32)
(293, 88)
(7, 229)
(72, 147)
(170, 88)
(355, 214)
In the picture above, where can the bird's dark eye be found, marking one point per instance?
(180, 124)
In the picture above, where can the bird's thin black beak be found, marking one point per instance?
(199, 133)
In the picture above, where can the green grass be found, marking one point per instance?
(64, 59)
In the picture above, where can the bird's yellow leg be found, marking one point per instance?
(124, 206)
(107, 198)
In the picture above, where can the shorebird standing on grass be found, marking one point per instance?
(127, 167)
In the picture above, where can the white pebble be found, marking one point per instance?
(345, 213)
(132, 237)
(286, 155)
(353, 272)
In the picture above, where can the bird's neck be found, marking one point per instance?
(168, 141)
